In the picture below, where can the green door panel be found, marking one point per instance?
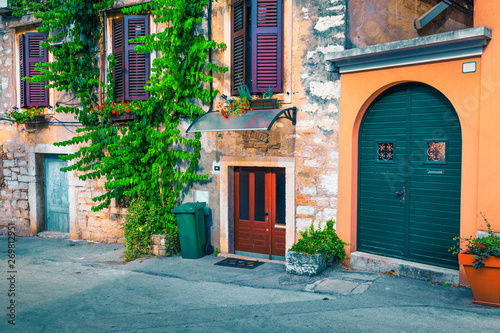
(420, 124)
(56, 195)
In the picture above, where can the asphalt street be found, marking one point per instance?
(64, 286)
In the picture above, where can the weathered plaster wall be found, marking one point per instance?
(312, 28)
(319, 27)
(22, 150)
(375, 22)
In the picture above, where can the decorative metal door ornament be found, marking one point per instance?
(385, 151)
(436, 151)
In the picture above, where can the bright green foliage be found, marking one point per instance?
(146, 157)
(141, 222)
(323, 241)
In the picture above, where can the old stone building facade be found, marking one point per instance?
(304, 172)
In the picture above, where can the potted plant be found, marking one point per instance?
(267, 101)
(31, 115)
(236, 106)
(117, 112)
(316, 249)
(245, 102)
(481, 261)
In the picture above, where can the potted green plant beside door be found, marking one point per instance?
(481, 261)
(316, 249)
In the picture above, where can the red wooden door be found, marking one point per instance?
(260, 211)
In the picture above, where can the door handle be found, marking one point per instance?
(401, 193)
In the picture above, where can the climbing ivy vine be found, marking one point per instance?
(147, 157)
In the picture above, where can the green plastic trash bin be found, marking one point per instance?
(191, 222)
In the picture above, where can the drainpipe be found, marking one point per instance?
(209, 33)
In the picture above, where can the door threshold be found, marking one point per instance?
(246, 257)
(418, 271)
(53, 234)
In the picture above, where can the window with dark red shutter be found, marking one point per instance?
(257, 45)
(32, 52)
(119, 54)
(267, 45)
(131, 71)
(238, 44)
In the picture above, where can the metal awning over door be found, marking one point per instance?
(250, 121)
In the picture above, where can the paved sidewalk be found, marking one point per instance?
(67, 286)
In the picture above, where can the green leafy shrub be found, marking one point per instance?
(142, 221)
(480, 247)
(323, 241)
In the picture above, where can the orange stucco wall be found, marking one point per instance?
(487, 14)
(476, 98)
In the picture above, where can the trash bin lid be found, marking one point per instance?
(188, 207)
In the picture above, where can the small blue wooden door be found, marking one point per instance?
(56, 195)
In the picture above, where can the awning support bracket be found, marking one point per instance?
(290, 114)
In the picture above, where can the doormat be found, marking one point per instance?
(242, 263)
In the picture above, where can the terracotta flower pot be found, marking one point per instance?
(484, 282)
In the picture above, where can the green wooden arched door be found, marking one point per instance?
(410, 153)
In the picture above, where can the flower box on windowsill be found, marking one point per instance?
(265, 103)
(124, 117)
(38, 119)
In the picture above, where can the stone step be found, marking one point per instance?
(375, 263)
(53, 234)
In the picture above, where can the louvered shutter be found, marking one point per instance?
(238, 44)
(119, 54)
(267, 45)
(22, 69)
(31, 53)
(136, 64)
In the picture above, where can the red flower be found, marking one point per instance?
(128, 110)
(30, 114)
(113, 112)
(36, 106)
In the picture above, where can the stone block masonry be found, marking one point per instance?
(101, 226)
(14, 181)
(303, 264)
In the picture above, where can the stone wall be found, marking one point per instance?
(322, 29)
(14, 181)
(22, 151)
(375, 22)
(103, 225)
(311, 29)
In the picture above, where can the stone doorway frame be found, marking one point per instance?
(36, 188)
(226, 223)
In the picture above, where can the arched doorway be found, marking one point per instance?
(409, 176)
